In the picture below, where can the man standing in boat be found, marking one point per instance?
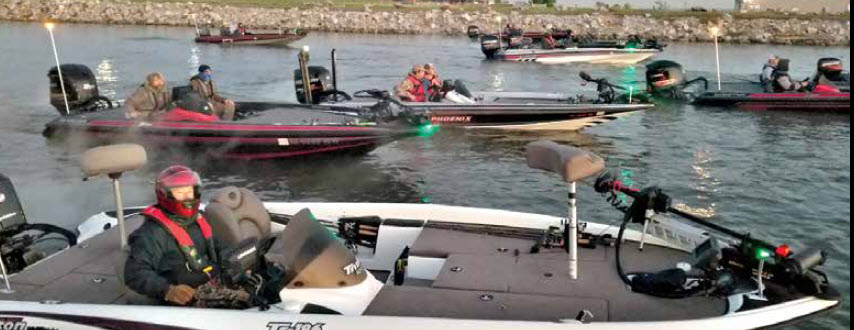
(203, 84)
(173, 254)
(150, 100)
(412, 88)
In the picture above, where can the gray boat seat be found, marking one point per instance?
(571, 163)
(236, 214)
(113, 159)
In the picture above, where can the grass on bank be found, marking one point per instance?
(390, 5)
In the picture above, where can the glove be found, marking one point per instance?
(180, 294)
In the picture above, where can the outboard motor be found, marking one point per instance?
(320, 80)
(490, 44)
(664, 78)
(473, 31)
(831, 69)
(81, 88)
(11, 212)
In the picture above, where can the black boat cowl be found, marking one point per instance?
(320, 80)
(81, 88)
(664, 76)
(831, 68)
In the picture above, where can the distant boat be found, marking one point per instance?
(282, 38)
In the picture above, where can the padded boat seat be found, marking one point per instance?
(571, 163)
(236, 214)
(440, 243)
(456, 304)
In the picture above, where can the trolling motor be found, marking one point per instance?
(749, 265)
(607, 91)
(81, 90)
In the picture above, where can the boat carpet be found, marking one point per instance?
(474, 264)
(85, 273)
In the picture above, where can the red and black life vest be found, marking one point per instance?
(417, 89)
(195, 261)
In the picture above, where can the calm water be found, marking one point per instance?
(782, 176)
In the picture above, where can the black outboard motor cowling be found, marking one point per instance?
(473, 31)
(320, 80)
(11, 212)
(831, 68)
(490, 44)
(665, 77)
(81, 88)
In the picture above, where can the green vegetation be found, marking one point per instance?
(543, 7)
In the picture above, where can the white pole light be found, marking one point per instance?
(50, 27)
(715, 33)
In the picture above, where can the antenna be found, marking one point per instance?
(49, 26)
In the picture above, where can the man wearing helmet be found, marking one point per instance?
(174, 251)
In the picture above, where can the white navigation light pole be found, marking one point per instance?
(49, 27)
(715, 32)
(500, 31)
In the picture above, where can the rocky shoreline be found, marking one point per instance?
(793, 31)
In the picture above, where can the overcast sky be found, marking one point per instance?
(674, 4)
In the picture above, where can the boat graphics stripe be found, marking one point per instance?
(279, 141)
(233, 127)
(283, 154)
(799, 96)
(37, 320)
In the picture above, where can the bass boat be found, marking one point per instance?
(828, 91)
(458, 106)
(281, 38)
(327, 266)
(521, 49)
(259, 130)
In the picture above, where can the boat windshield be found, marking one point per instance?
(313, 256)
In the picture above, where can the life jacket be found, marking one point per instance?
(417, 89)
(195, 262)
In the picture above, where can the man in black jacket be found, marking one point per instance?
(174, 251)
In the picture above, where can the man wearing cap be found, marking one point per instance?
(149, 100)
(203, 84)
(412, 88)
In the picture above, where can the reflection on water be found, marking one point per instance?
(784, 176)
(106, 77)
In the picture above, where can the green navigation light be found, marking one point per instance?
(762, 254)
(427, 130)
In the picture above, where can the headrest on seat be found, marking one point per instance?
(114, 159)
(236, 214)
(573, 164)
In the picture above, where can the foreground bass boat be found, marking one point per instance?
(668, 79)
(611, 52)
(259, 131)
(282, 38)
(518, 111)
(421, 266)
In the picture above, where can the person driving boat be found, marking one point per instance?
(174, 252)
(433, 84)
